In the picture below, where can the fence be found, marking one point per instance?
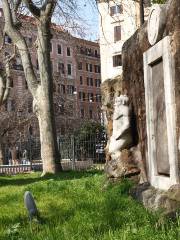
(22, 168)
(77, 152)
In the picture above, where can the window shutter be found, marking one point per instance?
(117, 33)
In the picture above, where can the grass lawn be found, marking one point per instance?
(77, 206)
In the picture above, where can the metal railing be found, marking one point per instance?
(79, 152)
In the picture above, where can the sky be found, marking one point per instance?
(89, 13)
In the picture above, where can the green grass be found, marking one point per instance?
(77, 206)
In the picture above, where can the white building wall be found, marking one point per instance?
(108, 47)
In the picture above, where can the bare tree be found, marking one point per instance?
(41, 91)
(4, 89)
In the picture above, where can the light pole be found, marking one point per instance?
(76, 104)
(30, 146)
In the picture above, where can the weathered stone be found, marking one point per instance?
(136, 192)
(174, 192)
(30, 205)
(118, 123)
(121, 136)
(156, 23)
(132, 53)
(155, 199)
(121, 167)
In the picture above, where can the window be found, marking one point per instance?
(117, 60)
(91, 81)
(69, 69)
(59, 49)
(89, 67)
(116, 9)
(117, 33)
(11, 82)
(80, 66)
(97, 69)
(68, 51)
(82, 96)
(88, 51)
(62, 89)
(50, 47)
(70, 89)
(91, 113)
(82, 113)
(98, 98)
(87, 81)
(96, 53)
(81, 80)
(7, 39)
(61, 68)
(97, 82)
(61, 108)
(90, 97)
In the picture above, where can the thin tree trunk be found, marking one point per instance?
(141, 6)
(1, 155)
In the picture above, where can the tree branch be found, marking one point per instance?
(48, 7)
(17, 38)
(32, 8)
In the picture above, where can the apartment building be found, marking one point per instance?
(118, 20)
(88, 79)
(76, 69)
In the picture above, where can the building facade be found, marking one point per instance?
(118, 20)
(76, 99)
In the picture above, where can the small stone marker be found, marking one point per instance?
(30, 205)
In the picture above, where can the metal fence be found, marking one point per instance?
(77, 152)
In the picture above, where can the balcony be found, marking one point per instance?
(86, 52)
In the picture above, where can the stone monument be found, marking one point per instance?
(121, 136)
(153, 56)
(121, 160)
(30, 205)
(159, 73)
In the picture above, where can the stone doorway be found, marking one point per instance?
(160, 115)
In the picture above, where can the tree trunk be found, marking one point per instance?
(49, 148)
(141, 3)
(1, 155)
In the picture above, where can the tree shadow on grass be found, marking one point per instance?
(22, 179)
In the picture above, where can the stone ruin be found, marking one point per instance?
(142, 110)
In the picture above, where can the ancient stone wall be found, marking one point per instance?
(131, 83)
(133, 72)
